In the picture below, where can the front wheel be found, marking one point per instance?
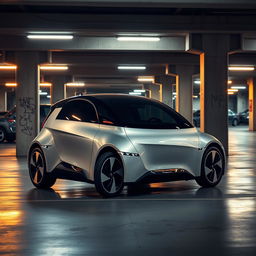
(2, 135)
(109, 175)
(37, 170)
(235, 122)
(212, 168)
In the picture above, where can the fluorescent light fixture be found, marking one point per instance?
(139, 90)
(11, 84)
(238, 87)
(134, 93)
(174, 93)
(240, 68)
(146, 79)
(49, 96)
(45, 84)
(138, 38)
(195, 96)
(56, 67)
(50, 32)
(229, 81)
(132, 67)
(197, 81)
(43, 93)
(50, 37)
(75, 84)
(5, 67)
(232, 90)
(230, 93)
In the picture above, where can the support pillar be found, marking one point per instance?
(213, 89)
(58, 89)
(3, 99)
(27, 99)
(166, 90)
(155, 91)
(252, 104)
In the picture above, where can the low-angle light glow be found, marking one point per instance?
(48, 67)
(45, 84)
(75, 84)
(132, 67)
(240, 68)
(139, 90)
(8, 67)
(238, 87)
(146, 79)
(11, 84)
(50, 37)
(138, 38)
(134, 93)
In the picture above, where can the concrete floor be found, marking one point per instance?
(175, 218)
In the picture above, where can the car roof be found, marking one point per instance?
(99, 96)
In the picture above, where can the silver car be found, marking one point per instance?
(112, 140)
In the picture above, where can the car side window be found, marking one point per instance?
(78, 110)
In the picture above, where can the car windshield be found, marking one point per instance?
(139, 112)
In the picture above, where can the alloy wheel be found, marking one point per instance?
(112, 175)
(37, 167)
(213, 166)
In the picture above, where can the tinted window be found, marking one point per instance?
(44, 110)
(78, 110)
(139, 112)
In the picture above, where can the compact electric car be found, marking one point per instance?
(112, 140)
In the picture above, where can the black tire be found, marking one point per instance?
(235, 122)
(212, 167)
(2, 135)
(37, 170)
(109, 175)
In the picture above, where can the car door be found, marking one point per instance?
(74, 130)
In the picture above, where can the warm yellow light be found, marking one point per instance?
(195, 96)
(146, 79)
(230, 93)
(75, 84)
(50, 68)
(45, 84)
(232, 90)
(240, 68)
(8, 67)
(229, 81)
(10, 84)
(77, 118)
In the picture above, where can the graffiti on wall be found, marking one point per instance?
(27, 108)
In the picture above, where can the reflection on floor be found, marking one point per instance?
(175, 218)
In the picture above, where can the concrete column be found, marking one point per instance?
(184, 90)
(155, 91)
(252, 104)
(213, 89)
(242, 101)
(58, 89)
(3, 99)
(27, 100)
(166, 88)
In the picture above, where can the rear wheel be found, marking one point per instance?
(109, 175)
(2, 135)
(235, 122)
(37, 170)
(212, 168)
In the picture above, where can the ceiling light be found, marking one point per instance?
(229, 81)
(240, 68)
(138, 38)
(132, 67)
(44, 84)
(48, 96)
(238, 87)
(195, 96)
(232, 90)
(197, 81)
(8, 67)
(10, 84)
(139, 90)
(51, 37)
(47, 67)
(146, 79)
(230, 93)
(43, 93)
(78, 84)
(174, 93)
(50, 32)
(134, 93)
